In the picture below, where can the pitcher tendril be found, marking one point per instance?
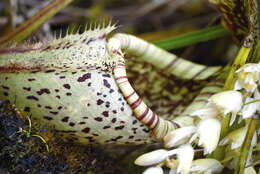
(143, 113)
(161, 58)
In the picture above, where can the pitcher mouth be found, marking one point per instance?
(36, 69)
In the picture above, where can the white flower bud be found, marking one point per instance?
(152, 158)
(248, 77)
(220, 104)
(179, 136)
(206, 165)
(209, 132)
(153, 170)
(250, 109)
(228, 101)
(209, 111)
(185, 154)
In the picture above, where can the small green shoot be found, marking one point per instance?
(29, 134)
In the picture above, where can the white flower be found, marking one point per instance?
(220, 104)
(228, 101)
(248, 77)
(153, 170)
(235, 138)
(250, 109)
(249, 170)
(152, 158)
(206, 166)
(209, 111)
(208, 133)
(185, 154)
(179, 136)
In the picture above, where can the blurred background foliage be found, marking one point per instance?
(151, 20)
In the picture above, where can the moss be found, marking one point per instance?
(22, 154)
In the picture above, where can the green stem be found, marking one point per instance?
(225, 126)
(246, 145)
(230, 82)
(239, 61)
(43, 140)
(253, 101)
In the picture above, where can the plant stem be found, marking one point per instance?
(239, 61)
(246, 145)
(253, 101)
(230, 82)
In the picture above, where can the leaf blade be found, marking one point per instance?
(209, 33)
(24, 30)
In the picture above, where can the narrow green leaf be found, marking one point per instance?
(24, 30)
(192, 38)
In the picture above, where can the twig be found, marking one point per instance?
(34, 22)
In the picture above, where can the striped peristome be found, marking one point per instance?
(79, 85)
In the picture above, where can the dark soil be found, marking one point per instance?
(22, 154)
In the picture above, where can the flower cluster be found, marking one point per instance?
(248, 77)
(248, 82)
(182, 164)
(240, 103)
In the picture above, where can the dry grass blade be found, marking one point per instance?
(33, 23)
